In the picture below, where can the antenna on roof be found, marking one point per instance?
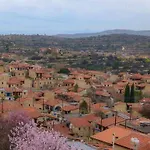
(135, 142)
(113, 141)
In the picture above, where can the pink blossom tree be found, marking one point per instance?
(7, 123)
(29, 137)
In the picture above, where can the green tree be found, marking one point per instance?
(16, 97)
(83, 108)
(145, 111)
(138, 95)
(91, 94)
(7, 47)
(132, 94)
(76, 87)
(64, 71)
(127, 94)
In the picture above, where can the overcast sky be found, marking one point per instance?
(72, 16)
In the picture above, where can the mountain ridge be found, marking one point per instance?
(107, 32)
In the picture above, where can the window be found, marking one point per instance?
(79, 128)
(2, 83)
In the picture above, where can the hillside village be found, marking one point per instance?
(83, 105)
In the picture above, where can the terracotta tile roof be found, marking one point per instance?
(86, 77)
(111, 121)
(70, 108)
(78, 98)
(14, 80)
(39, 93)
(145, 100)
(10, 106)
(91, 117)
(79, 89)
(136, 76)
(74, 95)
(106, 136)
(104, 110)
(96, 107)
(141, 85)
(53, 102)
(79, 122)
(41, 71)
(8, 90)
(47, 76)
(119, 87)
(69, 81)
(102, 93)
(146, 76)
(23, 99)
(121, 84)
(61, 128)
(75, 73)
(71, 94)
(32, 112)
(19, 65)
(58, 91)
(146, 147)
(126, 140)
(107, 83)
(125, 80)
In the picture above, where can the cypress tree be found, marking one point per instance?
(132, 94)
(76, 87)
(127, 94)
(83, 108)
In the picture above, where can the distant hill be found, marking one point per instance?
(112, 42)
(107, 32)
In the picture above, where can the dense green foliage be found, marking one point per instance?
(145, 110)
(64, 71)
(132, 94)
(127, 94)
(76, 87)
(106, 42)
(83, 108)
(138, 95)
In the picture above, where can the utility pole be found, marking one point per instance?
(116, 118)
(33, 101)
(89, 105)
(62, 109)
(113, 141)
(101, 120)
(43, 105)
(2, 105)
(130, 112)
(2, 102)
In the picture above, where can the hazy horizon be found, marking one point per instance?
(53, 17)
